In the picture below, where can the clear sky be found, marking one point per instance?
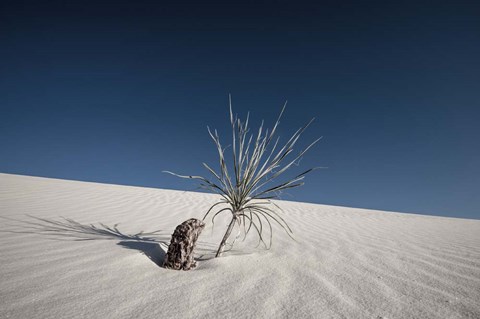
(118, 91)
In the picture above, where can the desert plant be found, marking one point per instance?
(248, 193)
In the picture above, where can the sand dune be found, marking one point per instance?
(346, 262)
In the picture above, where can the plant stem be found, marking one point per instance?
(225, 237)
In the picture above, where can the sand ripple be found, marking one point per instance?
(346, 262)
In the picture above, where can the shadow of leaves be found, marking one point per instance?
(152, 244)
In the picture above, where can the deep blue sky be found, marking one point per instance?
(118, 91)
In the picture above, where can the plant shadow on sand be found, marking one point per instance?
(152, 244)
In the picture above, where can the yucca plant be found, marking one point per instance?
(247, 188)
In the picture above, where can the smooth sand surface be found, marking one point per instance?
(346, 262)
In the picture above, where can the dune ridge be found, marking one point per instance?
(74, 249)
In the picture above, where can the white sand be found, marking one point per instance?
(347, 263)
